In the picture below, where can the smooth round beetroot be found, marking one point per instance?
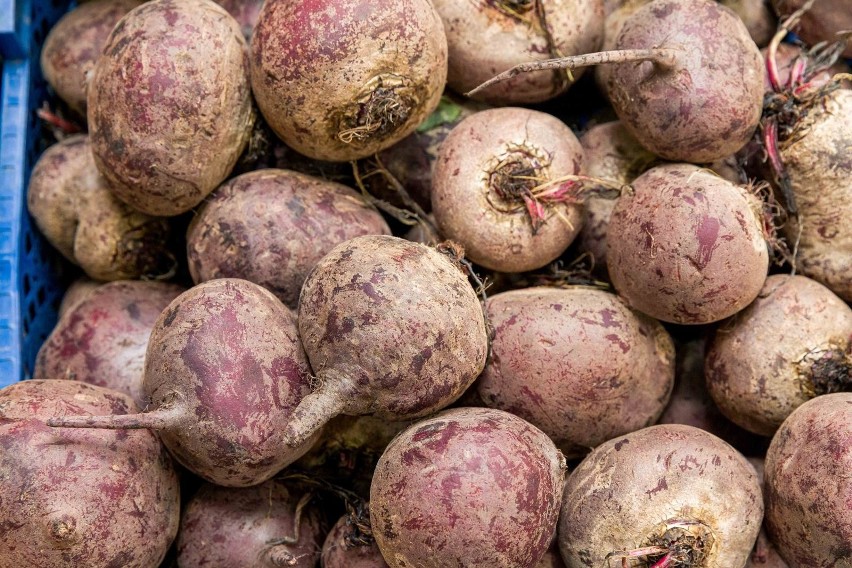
(224, 372)
(792, 343)
(103, 339)
(675, 488)
(272, 226)
(707, 105)
(270, 525)
(687, 246)
(577, 363)
(73, 45)
(78, 497)
(344, 79)
(614, 155)
(341, 550)
(469, 487)
(498, 188)
(392, 328)
(808, 489)
(169, 105)
(486, 38)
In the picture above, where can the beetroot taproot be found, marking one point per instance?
(170, 92)
(270, 525)
(345, 79)
(467, 488)
(102, 340)
(224, 371)
(577, 363)
(272, 226)
(687, 246)
(391, 328)
(663, 496)
(81, 498)
(502, 188)
(807, 485)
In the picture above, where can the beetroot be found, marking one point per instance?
(272, 226)
(485, 38)
(687, 81)
(224, 371)
(687, 246)
(764, 554)
(503, 188)
(808, 489)
(169, 93)
(344, 549)
(267, 525)
(78, 291)
(792, 343)
(80, 498)
(469, 487)
(577, 363)
(670, 495)
(823, 21)
(345, 79)
(102, 340)
(391, 328)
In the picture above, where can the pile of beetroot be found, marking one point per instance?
(387, 283)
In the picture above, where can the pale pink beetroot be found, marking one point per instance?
(345, 548)
(686, 246)
(224, 372)
(272, 226)
(98, 499)
(469, 487)
(269, 525)
(808, 489)
(102, 339)
(577, 363)
(392, 328)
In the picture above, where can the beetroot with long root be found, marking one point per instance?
(391, 328)
(102, 340)
(467, 488)
(687, 81)
(577, 363)
(486, 38)
(80, 497)
(346, 546)
(271, 525)
(507, 187)
(794, 342)
(808, 489)
(272, 226)
(686, 246)
(224, 372)
(666, 496)
(343, 79)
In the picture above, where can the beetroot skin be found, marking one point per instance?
(224, 372)
(391, 328)
(687, 246)
(240, 528)
(79, 497)
(467, 488)
(102, 340)
(577, 363)
(272, 226)
(808, 489)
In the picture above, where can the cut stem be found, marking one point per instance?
(159, 419)
(663, 56)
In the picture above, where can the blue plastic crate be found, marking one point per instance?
(30, 269)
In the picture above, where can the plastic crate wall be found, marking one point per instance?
(31, 270)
